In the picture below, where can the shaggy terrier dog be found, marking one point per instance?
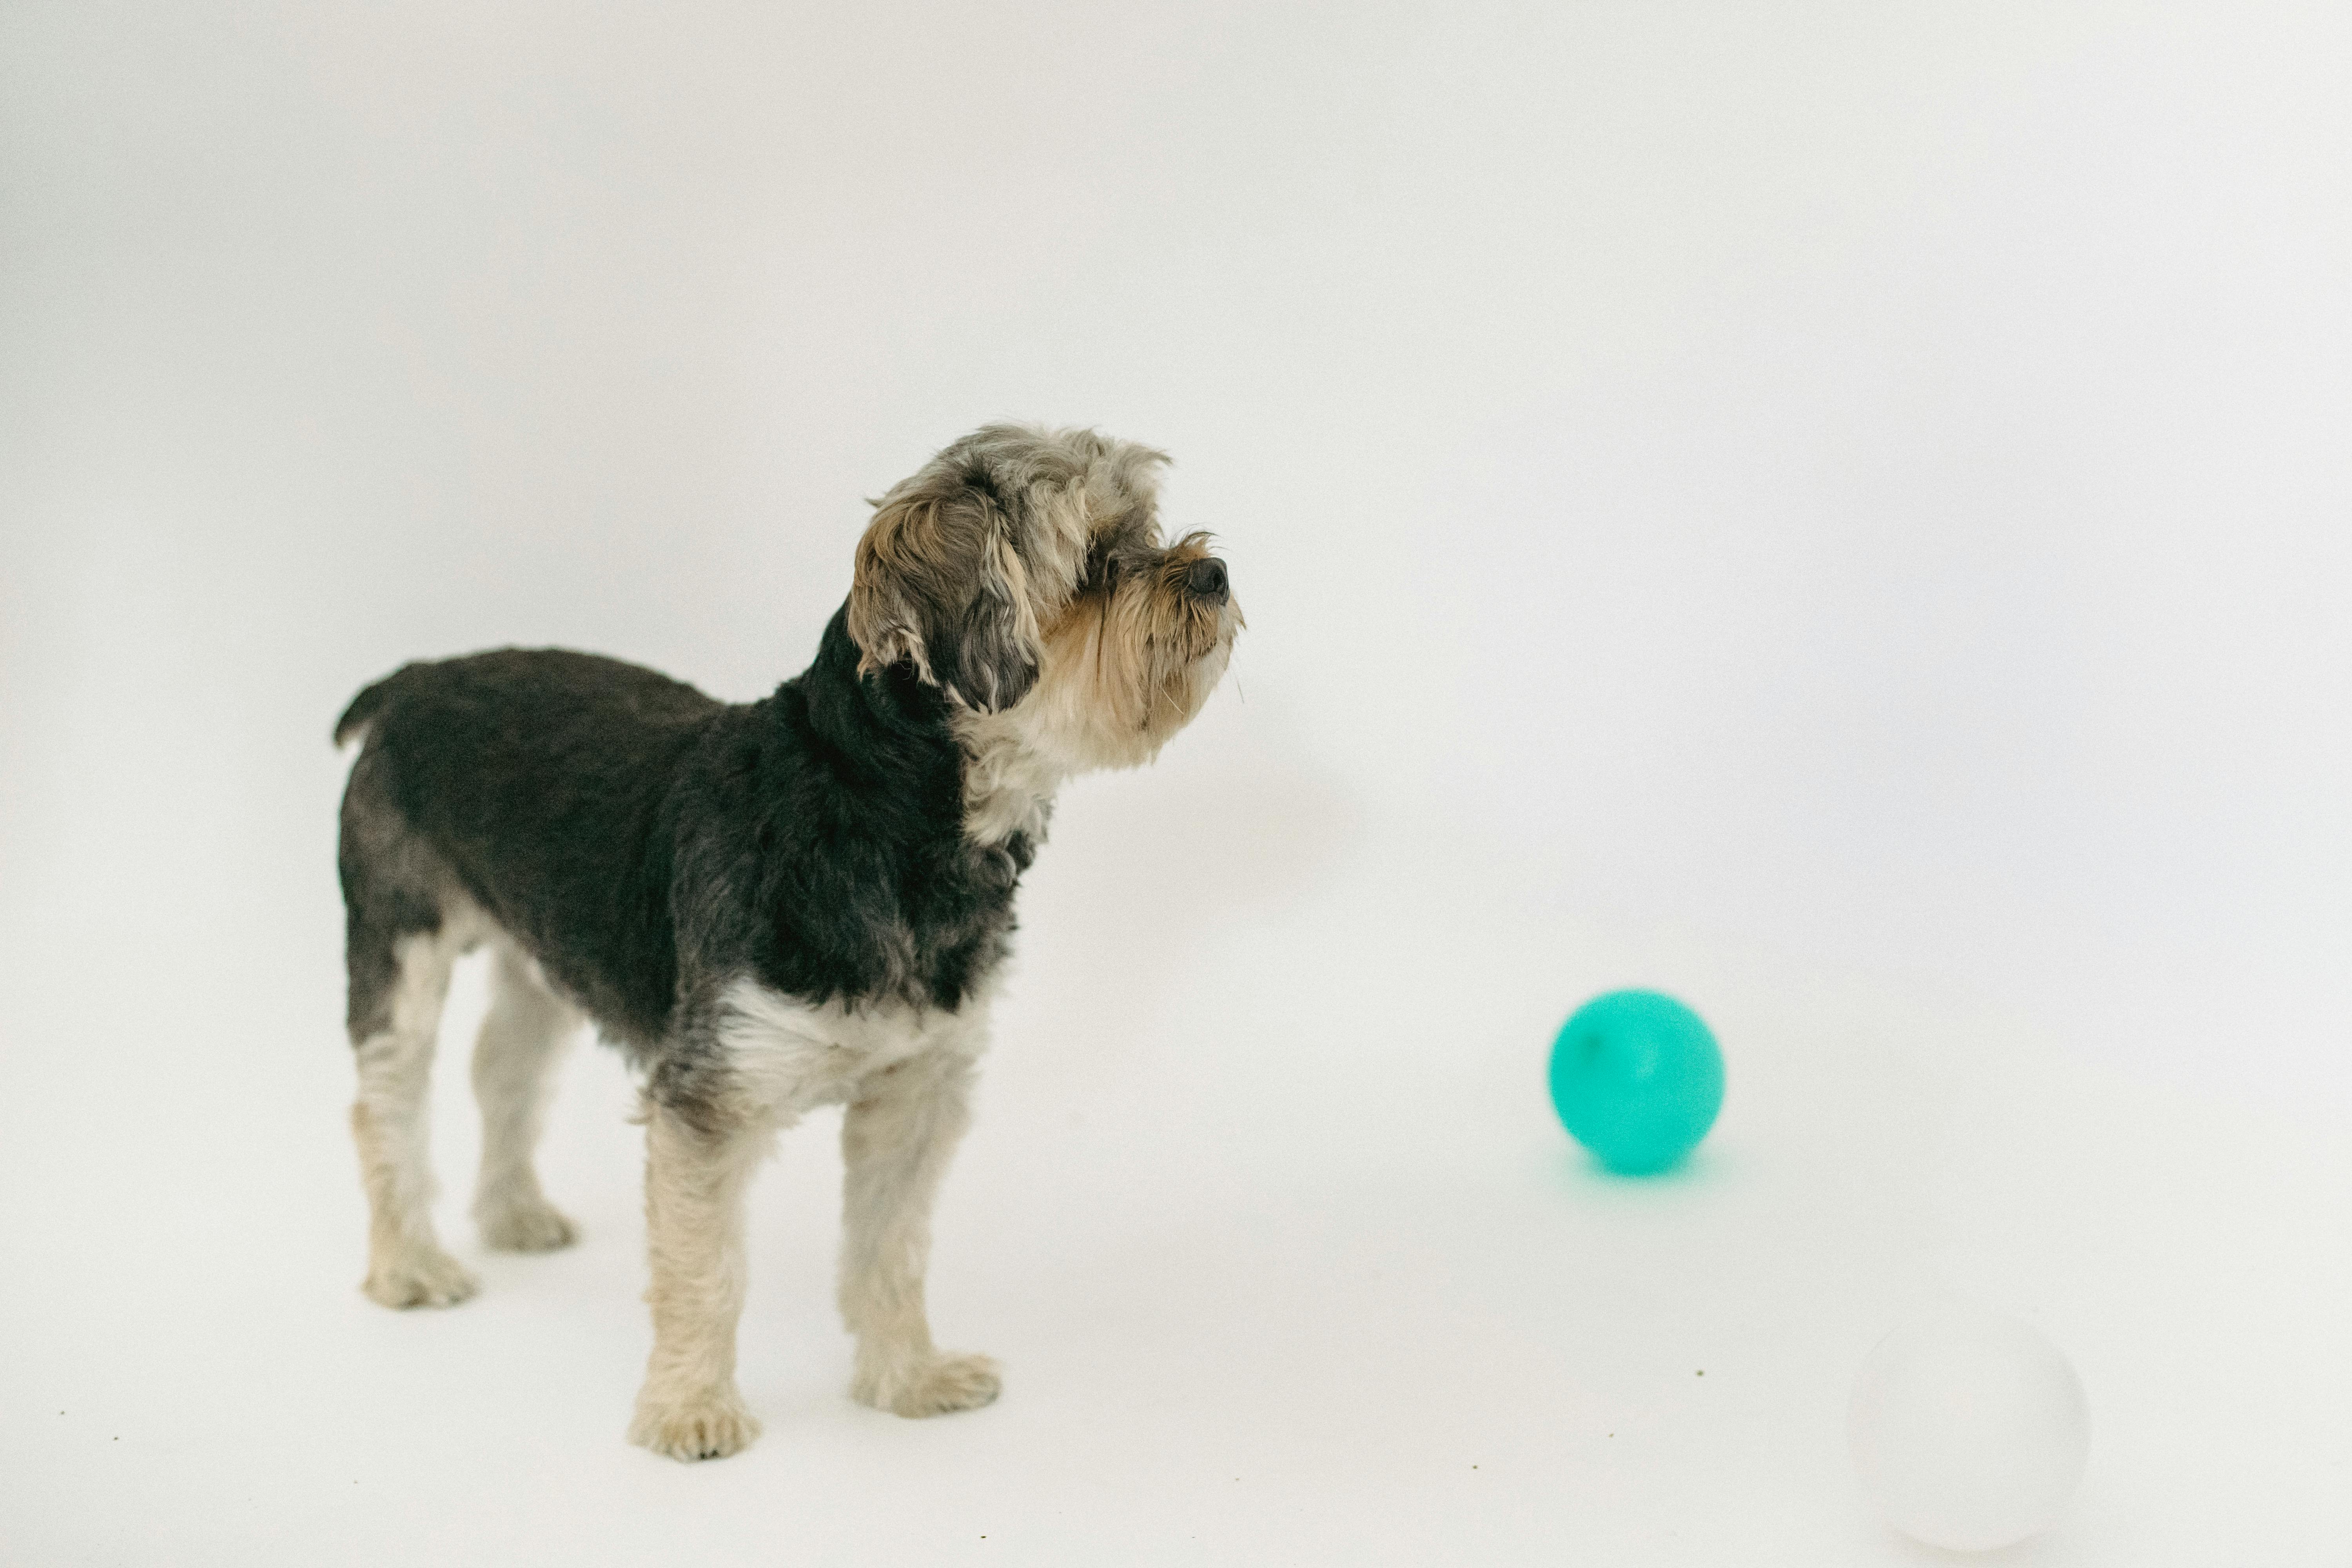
(800, 902)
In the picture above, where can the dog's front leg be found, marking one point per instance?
(895, 1140)
(689, 1407)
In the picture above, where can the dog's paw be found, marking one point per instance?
(532, 1226)
(703, 1426)
(419, 1276)
(931, 1385)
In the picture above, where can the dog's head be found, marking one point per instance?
(1021, 572)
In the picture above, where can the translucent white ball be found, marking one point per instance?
(1970, 1430)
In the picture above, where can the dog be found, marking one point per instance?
(768, 907)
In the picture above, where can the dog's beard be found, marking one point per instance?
(1126, 669)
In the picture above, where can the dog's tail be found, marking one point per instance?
(365, 706)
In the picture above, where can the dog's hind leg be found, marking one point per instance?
(689, 1408)
(398, 984)
(405, 923)
(522, 1039)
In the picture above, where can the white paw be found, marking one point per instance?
(419, 1276)
(527, 1225)
(928, 1385)
(708, 1426)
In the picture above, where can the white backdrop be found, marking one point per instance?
(1846, 496)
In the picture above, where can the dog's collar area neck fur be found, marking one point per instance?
(899, 732)
(853, 711)
(1008, 785)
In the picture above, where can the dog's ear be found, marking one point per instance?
(938, 583)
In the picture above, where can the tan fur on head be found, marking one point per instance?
(940, 570)
(967, 561)
(1021, 572)
(1127, 664)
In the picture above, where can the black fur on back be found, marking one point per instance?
(647, 844)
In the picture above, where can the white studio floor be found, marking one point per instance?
(1266, 1215)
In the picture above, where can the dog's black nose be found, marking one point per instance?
(1207, 578)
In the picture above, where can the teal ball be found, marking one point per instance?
(1637, 1079)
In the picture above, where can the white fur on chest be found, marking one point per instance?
(788, 1057)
